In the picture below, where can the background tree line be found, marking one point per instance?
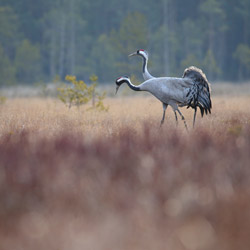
(42, 39)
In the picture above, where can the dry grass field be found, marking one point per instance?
(76, 179)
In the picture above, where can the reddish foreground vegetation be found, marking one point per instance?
(154, 190)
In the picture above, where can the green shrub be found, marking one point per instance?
(80, 93)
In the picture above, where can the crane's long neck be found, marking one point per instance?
(132, 86)
(145, 73)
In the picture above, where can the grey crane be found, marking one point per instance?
(144, 54)
(193, 90)
(146, 75)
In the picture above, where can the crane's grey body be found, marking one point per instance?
(168, 90)
(192, 90)
(175, 91)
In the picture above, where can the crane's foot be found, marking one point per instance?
(176, 119)
(194, 117)
(183, 118)
(184, 122)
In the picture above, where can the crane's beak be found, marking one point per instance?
(117, 87)
(133, 54)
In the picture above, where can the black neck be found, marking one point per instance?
(132, 86)
(144, 64)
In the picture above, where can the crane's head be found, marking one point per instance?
(140, 52)
(119, 81)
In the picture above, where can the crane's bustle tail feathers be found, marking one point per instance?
(199, 93)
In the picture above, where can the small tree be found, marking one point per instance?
(242, 54)
(132, 35)
(7, 71)
(210, 65)
(80, 93)
(28, 62)
(190, 60)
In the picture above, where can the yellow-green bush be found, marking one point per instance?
(80, 93)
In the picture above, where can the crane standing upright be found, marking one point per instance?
(191, 90)
(191, 72)
(144, 54)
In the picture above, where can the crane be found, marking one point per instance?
(192, 90)
(144, 54)
(146, 76)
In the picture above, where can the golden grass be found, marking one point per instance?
(49, 117)
(76, 179)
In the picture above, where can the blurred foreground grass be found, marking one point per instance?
(72, 179)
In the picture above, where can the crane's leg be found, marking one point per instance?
(183, 118)
(164, 111)
(195, 109)
(176, 118)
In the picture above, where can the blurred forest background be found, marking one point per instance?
(43, 39)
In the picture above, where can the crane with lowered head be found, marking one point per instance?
(191, 72)
(192, 90)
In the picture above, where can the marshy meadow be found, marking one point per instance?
(79, 179)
